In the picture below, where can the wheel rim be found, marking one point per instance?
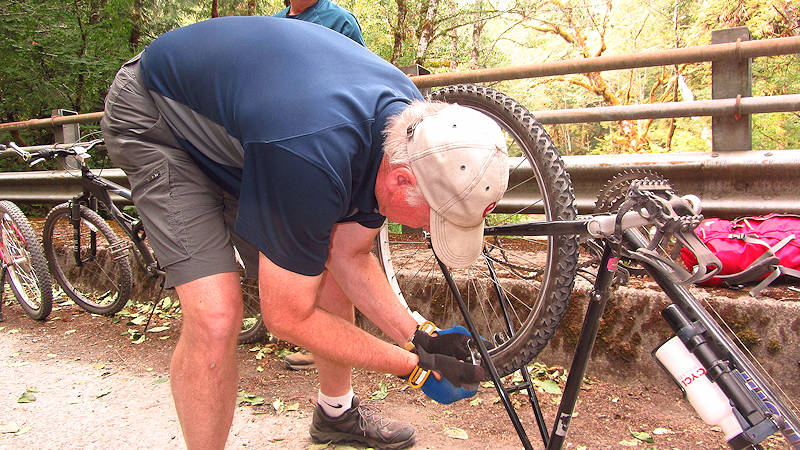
(20, 271)
(95, 280)
(522, 266)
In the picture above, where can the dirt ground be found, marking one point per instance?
(84, 381)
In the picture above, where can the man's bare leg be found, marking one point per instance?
(203, 373)
(355, 423)
(334, 377)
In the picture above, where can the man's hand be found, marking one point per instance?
(451, 342)
(464, 376)
(459, 373)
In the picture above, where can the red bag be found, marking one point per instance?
(750, 249)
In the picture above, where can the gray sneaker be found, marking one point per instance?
(362, 425)
(301, 360)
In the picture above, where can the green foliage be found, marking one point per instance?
(59, 54)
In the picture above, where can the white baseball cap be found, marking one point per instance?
(460, 160)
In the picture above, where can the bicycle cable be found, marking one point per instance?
(743, 347)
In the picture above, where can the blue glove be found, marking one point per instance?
(451, 342)
(444, 392)
(449, 354)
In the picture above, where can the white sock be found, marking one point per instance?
(335, 406)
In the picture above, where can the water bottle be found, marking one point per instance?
(711, 404)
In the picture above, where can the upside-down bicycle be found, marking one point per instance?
(517, 293)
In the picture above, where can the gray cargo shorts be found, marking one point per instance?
(188, 218)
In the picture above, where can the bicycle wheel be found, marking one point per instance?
(27, 270)
(97, 278)
(253, 329)
(518, 291)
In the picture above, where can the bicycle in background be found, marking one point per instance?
(23, 265)
(91, 263)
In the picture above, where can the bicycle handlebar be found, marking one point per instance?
(80, 151)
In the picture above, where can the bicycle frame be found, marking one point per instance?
(98, 190)
(724, 363)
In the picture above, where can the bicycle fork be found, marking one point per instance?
(75, 220)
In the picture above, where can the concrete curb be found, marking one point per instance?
(632, 327)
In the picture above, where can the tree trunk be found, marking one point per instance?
(397, 31)
(453, 50)
(136, 25)
(477, 29)
(426, 30)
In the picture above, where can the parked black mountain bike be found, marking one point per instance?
(91, 263)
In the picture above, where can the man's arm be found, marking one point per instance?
(290, 311)
(361, 278)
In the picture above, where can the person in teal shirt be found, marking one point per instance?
(325, 13)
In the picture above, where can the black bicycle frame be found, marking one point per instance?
(759, 423)
(96, 190)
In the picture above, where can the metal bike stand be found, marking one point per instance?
(598, 298)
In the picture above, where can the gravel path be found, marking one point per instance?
(86, 404)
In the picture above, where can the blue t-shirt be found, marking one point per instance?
(286, 115)
(330, 15)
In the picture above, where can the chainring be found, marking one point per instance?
(610, 198)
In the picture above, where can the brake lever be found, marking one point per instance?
(22, 153)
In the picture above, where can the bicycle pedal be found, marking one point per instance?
(119, 249)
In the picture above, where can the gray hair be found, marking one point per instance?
(396, 132)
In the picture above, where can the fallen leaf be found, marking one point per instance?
(158, 329)
(27, 396)
(250, 399)
(642, 436)
(10, 427)
(70, 331)
(548, 386)
(293, 407)
(318, 446)
(455, 433)
(381, 393)
(659, 431)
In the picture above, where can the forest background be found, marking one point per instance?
(64, 54)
